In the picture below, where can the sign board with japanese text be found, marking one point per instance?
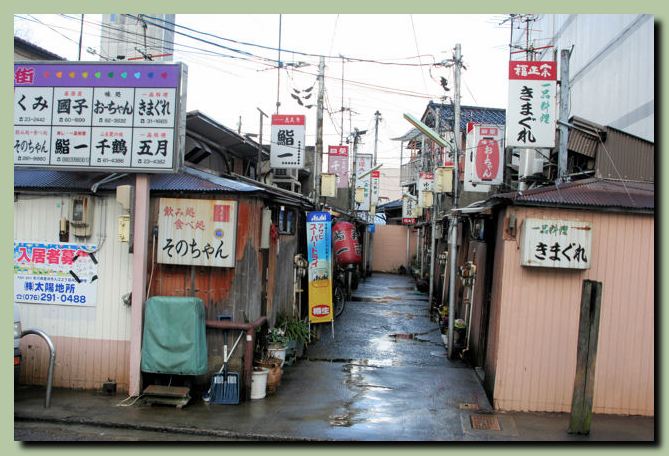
(409, 211)
(128, 117)
(197, 232)
(484, 157)
(338, 164)
(530, 116)
(425, 188)
(376, 187)
(363, 163)
(287, 147)
(319, 255)
(55, 273)
(556, 243)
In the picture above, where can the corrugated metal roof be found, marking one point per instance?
(476, 114)
(203, 125)
(589, 193)
(396, 204)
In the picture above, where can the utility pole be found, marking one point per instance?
(341, 135)
(377, 116)
(565, 54)
(81, 36)
(262, 114)
(318, 153)
(356, 138)
(435, 207)
(453, 222)
(278, 70)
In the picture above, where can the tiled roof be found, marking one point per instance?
(476, 114)
(592, 193)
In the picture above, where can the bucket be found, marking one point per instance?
(279, 353)
(259, 382)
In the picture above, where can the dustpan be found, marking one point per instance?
(224, 388)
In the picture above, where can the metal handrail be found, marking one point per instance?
(52, 360)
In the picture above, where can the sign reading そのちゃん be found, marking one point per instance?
(99, 116)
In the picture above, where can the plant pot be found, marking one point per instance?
(273, 365)
(277, 352)
(259, 382)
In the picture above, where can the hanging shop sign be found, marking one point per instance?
(128, 117)
(338, 164)
(565, 244)
(197, 232)
(287, 147)
(55, 273)
(363, 163)
(375, 188)
(409, 210)
(425, 188)
(319, 252)
(484, 157)
(530, 116)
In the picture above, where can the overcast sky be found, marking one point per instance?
(226, 88)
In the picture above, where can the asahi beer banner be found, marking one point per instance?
(363, 163)
(484, 158)
(94, 116)
(565, 244)
(338, 164)
(55, 273)
(287, 147)
(197, 232)
(319, 255)
(530, 116)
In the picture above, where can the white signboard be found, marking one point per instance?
(556, 243)
(197, 232)
(287, 148)
(99, 116)
(55, 273)
(425, 188)
(376, 187)
(409, 210)
(530, 117)
(363, 163)
(484, 158)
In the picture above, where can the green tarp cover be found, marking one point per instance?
(174, 336)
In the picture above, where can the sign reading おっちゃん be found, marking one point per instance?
(126, 117)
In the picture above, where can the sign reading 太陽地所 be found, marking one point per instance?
(287, 146)
(55, 273)
(530, 116)
(99, 116)
(197, 232)
(319, 254)
(565, 244)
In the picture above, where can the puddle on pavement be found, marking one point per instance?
(395, 313)
(406, 336)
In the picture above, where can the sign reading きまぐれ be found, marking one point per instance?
(55, 273)
(197, 232)
(319, 253)
(101, 116)
(530, 116)
(556, 243)
(287, 147)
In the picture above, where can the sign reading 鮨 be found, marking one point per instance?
(530, 116)
(55, 273)
(484, 158)
(556, 243)
(338, 164)
(287, 148)
(128, 117)
(197, 232)
(319, 255)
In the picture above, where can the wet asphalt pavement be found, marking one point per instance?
(383, 377)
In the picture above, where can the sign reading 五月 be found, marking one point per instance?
(564, 244)
(319, 253)
(55, 273)
(99, 116)
(197, 232)
(287, 148)
(338, 164)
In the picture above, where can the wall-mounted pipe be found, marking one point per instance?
(250, 329)
(52, 360)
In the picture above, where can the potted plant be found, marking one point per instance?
(273, 365)
(297, 332)
(277, 341)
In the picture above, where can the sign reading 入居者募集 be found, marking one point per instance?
(197, 232)
(287, 146)
(319, 255)
(530, 116)
(556, 243)
(128, 117)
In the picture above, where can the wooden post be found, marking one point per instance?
(586, 357)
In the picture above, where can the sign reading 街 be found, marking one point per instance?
(530, 116)
(484, 158)
(556, 243)
(319, 252)
(99, 116)
(338, 164)
(363, 163)
(287, 148)
(55, 273)
(197, 232)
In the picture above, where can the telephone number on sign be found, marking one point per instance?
(51, 297)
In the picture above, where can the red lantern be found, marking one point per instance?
(347, 247)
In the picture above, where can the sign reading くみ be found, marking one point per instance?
(556, 243)
(197, 232)
(319, 252)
